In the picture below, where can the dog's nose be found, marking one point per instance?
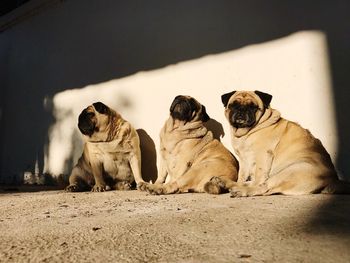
(241, 115)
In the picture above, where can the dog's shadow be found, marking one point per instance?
(148, 156)
(216, 128)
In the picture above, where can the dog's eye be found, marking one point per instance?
(90, 114)
(235, 105)
(253, 106)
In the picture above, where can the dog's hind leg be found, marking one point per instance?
(244, 190)
(219, 185)
(293, 184)
(301, 179)
(190, 181)
(161, 189)
(296, 180)
(337, 187)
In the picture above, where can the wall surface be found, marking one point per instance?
(136, 56)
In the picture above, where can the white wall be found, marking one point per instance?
(294, 69)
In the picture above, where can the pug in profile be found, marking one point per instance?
(276, 156)
(189, 155)
(111, 158)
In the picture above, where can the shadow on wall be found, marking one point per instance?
(216, 128)
(148, 156)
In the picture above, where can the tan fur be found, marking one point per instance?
(190, 158)
(111, 156)
(279, 156)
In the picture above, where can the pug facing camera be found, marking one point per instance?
(276, 156)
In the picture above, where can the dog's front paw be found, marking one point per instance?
(238, 192)
(142, 186)
(155, 189)
(72, 188)
(98, 188)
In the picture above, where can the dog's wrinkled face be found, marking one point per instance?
(242, 114)
(93, 119)
(243, 109)
(187, 109)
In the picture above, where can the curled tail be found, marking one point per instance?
(337, 187)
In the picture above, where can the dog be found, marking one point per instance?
(111, 157)
(189, 155)
(276, 156)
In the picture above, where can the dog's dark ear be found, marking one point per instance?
(101, 108)
(205, 116)
(265, 97)
(226, 97)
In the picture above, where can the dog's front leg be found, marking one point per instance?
(135, 164)
(157, 187)
(263, 167)
(247, 168)
(97, 171)
(255, 174)
(243, 172)
(163, 172)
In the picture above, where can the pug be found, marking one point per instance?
(189, 155)
(276, 156)
(111, 157)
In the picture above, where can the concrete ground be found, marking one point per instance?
(132, 226)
